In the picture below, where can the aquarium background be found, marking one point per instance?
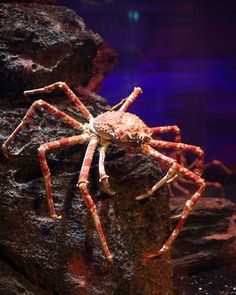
(182, 54)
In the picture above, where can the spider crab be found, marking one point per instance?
(125, 129)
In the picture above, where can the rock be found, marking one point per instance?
(208, 237)
(32, 1)
(41, 44)
(13, 283)
(215, 281)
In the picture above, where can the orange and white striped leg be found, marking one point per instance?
(171, 129)
(46, 147)
(40, 104)
(102, 173)
(83, 186)
(130, 99)
(169, 176)
(66, 89)
(182, 171)
(182, 147)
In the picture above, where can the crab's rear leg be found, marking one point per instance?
(40, 104)
(189, 204)
(65, 88)
(45, 169)
(83, 186)
(102, 173)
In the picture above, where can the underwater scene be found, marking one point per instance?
(118, 143)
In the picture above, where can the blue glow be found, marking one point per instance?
(133, 15)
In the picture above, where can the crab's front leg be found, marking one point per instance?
(102, 173)
(46, 147)
(83, 186)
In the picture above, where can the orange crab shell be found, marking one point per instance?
(121, 127)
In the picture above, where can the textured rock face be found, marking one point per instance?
(208, 237)
(40, 44)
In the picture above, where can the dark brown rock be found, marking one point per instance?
(208, 237)
(14, 283)
(41, 44)
(32, 1)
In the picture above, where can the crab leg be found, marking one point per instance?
(168, 177)
(65, 88)
(102, 173)
(183, 147)
(45, 169)
(170, 129)
(130, 99)
(189, 204)
(83, 186)
(172, 173)
(38, 104)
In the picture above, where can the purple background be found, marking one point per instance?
(183, 55)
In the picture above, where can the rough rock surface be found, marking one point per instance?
(208, 238)
(33, 1)
(14, 283)
(40, 44)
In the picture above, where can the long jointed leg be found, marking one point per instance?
(183, 147)
(29, 115)
(83, 185)
(170, 129)
(189, 204)
(65, 88)
(102, 173)
(131, 98)
(169, 176)
(45, 169)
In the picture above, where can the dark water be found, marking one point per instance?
(183, 55)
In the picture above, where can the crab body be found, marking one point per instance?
(121, 127)
(118, 127)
